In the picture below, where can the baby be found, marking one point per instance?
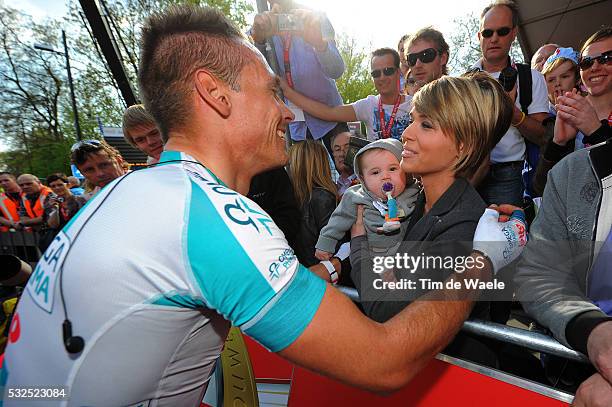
(386, 198)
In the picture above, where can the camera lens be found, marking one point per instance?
(507, 78)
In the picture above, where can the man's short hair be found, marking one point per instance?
(54, 177)
(83, 149)
(135, 116)
(9, 174)
(600, 35)
(34, 178)
(476, 112)
(387, 51)
(176, 43)
(506, 3)
(433, 35)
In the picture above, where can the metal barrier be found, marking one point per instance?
(21, 244)
(531, 340)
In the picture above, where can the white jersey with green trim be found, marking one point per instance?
(152, 269)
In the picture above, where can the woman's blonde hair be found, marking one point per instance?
(473, 109)
(309, 168)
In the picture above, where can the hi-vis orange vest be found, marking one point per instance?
(38, 208)
(9, 210)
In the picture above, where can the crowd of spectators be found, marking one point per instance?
(559, 106)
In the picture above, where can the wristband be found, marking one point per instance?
(333, 274)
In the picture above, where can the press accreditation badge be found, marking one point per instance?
(297, 112)
(41, 285)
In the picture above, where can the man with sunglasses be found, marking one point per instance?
(385, 115)
(99, 163)
(427, 55)
(504, 182)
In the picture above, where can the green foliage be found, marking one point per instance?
(41, 155)
(356, 82)
(36, 116)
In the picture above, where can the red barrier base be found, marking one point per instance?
(439, 384)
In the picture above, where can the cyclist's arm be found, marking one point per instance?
(342, 343)
(321, 271)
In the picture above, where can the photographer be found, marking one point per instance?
(308, 60)
(61, 206)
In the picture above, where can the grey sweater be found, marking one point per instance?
(576, 213)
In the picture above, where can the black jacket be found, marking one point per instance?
(315, 214)
(272, 190)
(453, 218)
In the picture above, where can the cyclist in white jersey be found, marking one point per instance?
(132, 301)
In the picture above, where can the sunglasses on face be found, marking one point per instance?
(82, 143)
(426, 56)
(501, 32)
(388, 71)
(603, 59)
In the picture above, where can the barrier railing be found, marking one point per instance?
(21, 244)
(535, 341)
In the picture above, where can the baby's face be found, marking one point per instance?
(379, 167)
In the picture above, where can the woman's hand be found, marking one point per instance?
(358, 229)
(577, 111)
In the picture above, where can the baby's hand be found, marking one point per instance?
(321, 255)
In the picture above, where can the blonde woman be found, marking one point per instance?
(315, 193)
(455, 124)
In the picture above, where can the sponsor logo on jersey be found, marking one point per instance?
(41, 285)
(242, 213)
(240, 210)
(284, 263)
